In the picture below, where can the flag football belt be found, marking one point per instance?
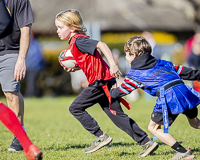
(169, 85)
(123, 101)
(161, 93)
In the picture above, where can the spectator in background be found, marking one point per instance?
(177, 54)
(188, 48)
(34, 64)
(149, 37)
(189, 44)
(194, 58)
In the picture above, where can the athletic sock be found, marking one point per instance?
(179, 148)
(9, 119)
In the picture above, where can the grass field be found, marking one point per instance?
(52, 128)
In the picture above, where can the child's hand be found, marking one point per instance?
(70, 69)
(114, 71)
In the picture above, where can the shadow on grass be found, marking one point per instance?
(56, 147)
(195, 150)
(64, 148)
(121, 144)
(84, 146)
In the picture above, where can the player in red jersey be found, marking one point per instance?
(101, 78)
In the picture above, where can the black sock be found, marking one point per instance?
(179, 148)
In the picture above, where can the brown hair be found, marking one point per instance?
(137, 45)
(73, 19)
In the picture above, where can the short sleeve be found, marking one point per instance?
(24, 14)
(86, 45)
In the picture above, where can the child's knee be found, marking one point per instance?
(152, 127)
(72, 109)
(75, 110)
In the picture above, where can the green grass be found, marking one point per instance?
(60, 136)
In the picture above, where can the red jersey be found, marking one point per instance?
(93, 66)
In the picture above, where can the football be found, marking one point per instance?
(66, 59)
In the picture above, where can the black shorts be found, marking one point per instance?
(157, 117)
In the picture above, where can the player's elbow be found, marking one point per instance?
(101, 45)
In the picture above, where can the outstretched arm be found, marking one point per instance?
(116, 93)
(127, 86)
(187, 73)
(114, 70)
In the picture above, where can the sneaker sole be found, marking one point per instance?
(188, 157)
(101, 145)
(150, 150)
(14, 150)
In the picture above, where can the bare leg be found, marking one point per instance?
(15, 102)
(156, 130)
(195, 122)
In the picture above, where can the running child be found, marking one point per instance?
(162, 79)
(101, 77)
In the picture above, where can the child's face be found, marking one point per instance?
(63, 31)
(129, 57)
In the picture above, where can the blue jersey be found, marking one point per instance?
(175, 99)
(153, 78)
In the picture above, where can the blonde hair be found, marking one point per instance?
(137, 45)
(73, 19)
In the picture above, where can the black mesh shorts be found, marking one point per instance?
(157, 117)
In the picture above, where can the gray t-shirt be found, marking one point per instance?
(21, 14)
